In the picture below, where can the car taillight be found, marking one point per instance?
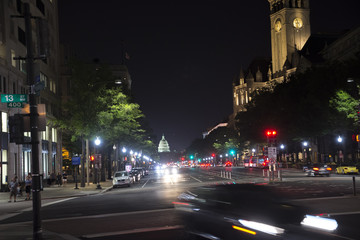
(316, 169)
(180, 203)
(329, 169)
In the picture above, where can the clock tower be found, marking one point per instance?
(290, 29)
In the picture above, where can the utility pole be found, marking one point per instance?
(37, 231)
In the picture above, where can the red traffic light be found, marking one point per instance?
(92, 158)
(271, 133)
(213, 154)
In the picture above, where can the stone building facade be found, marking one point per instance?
(16, 159)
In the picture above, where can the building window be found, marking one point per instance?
(54, 135)
(22, 65)
(4, 85)
(52, 86)
(44, 79)
(45, 134)
(40, 5)
(13, 61)
(19, 6)
(4, 160)
(4, 122)
(21, 36)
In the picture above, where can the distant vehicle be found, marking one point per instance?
(228, 164)
(246, 211)
(141, 170)
(121, 178)
(318, 170)
(347, 170)
(171, 170)
(261, 161)
(135, 174)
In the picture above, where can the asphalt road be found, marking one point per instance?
(145, 210)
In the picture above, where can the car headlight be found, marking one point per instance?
(320, 222)
(272, 230)
(174, 171)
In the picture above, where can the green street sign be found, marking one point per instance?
(7, 98)
(15, 105)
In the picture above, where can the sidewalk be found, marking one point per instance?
(64, 191)
(11, 232)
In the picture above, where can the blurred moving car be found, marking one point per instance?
(246, 211)
(171, 170)
(318, 170)
(347, 170)
(121, 178)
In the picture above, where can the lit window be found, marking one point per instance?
(4, 122)
(53, 135)
(13, 61)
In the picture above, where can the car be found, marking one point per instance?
(135, 173)
(347, 170)
(173, 170)
(121, 178)
(228, 164)
(318, 170)
(245, 211)
(141, 171)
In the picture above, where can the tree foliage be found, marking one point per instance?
(96, 107)
(312, 104)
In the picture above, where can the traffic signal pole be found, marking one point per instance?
(36, 196)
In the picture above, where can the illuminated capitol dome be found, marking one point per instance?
(163, 145)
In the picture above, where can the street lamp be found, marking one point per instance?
(97, 164)
(282, 147)
(305, 144)
(340, 154)
(111, 163)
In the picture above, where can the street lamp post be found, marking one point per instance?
(123, 151)
(340, 154)
(97, 158)
(282, 147)
(305, 144)
(110, 165)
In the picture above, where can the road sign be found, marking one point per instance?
(6, 98)
(272, 154)
(15, 105)
(75, 160)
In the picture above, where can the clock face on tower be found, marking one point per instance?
(278, 25)
(297, 23)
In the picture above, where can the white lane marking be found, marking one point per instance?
(145, 183)
(195, 179)
(109, 215)
(55, 202)
(9, 215)
(132, 231)
(93, 216)
(6, 216)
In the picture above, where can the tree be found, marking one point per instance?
(309, 106)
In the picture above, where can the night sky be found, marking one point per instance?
(184, 56)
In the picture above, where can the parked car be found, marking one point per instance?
(318, 170)
(121, 178)
(246, 211)
(347, 170)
